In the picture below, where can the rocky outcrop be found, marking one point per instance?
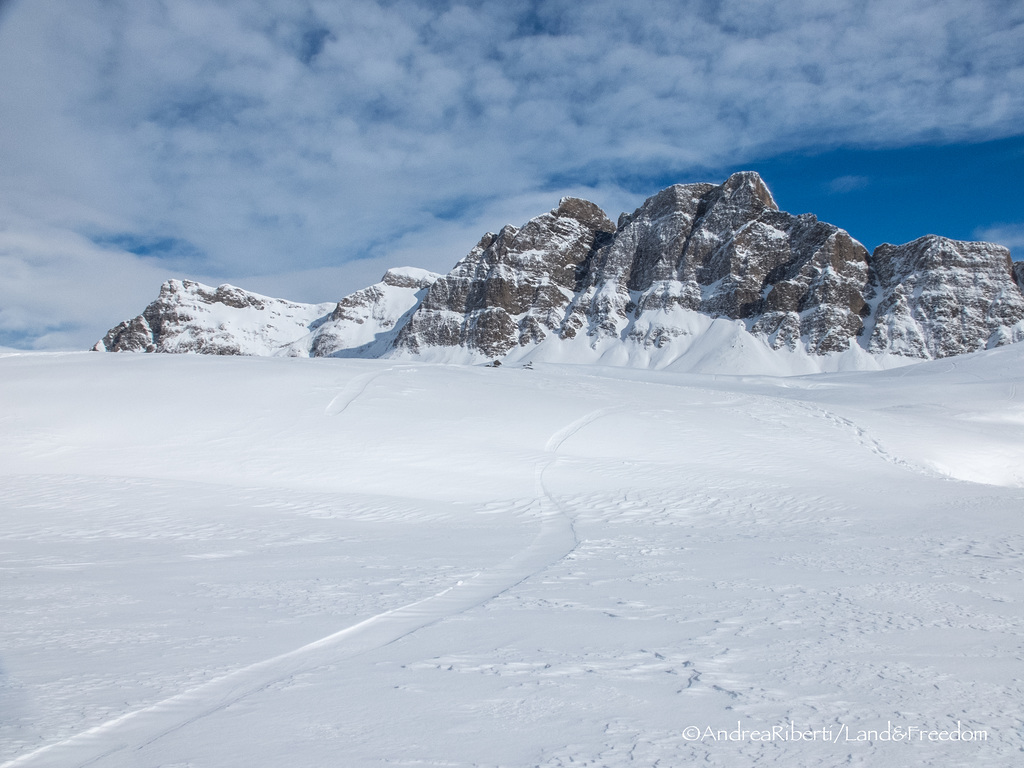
(365, 323)
(941, 297)
(513, 287)
(572, 285)
(727, 251)
(191, 317)
(723, 251)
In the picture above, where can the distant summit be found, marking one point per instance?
(192, 317)
(697, 274)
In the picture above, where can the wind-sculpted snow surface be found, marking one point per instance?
(701, 277)
(266, 562)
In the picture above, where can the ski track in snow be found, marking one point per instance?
(670, 568)
(353, 390)
(133, 731)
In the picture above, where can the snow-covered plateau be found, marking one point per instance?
(259, 561)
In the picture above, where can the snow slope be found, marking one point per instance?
(255, 561)
(699, 344)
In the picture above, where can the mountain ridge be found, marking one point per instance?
(571, 285)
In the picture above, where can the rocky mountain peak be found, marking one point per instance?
(691, 258)
(191, 317)
(933, 253)
(513, 287)
(409, 277)
(585, 212)
(747, 189)
(941, 297)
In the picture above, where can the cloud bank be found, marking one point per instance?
(292, 138)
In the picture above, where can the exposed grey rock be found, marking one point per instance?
(1018, 274)
(513, 287)
(133, 335)
(191, 317)
(570, 277)
(941, 297)
(727, 251)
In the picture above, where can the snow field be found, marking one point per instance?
(262, 562)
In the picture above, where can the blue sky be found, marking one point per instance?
(299, 148)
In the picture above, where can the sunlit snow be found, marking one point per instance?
(290, 562)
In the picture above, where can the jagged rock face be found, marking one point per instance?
(1018, 274)
(941, 297)
(724, 251)
(133, 335)
(727, 251)
(819, 294)
(643, 256)
(192, 317)
(513, 287)
(571, 280)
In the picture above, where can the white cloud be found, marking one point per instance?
(843, 184)
(285, 136)
(1009, 235)
(61, 290)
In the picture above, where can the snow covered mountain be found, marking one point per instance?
(700, 277)
(192, 317)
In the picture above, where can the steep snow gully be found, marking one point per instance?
(118, 741)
